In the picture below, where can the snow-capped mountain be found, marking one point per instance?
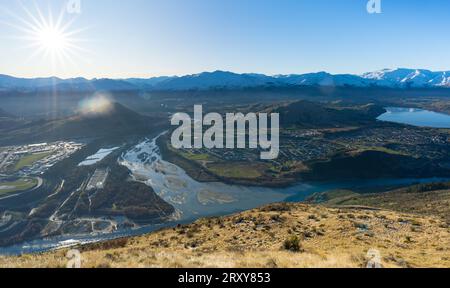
(409, 78)
(398, 78)
(217, 79)
(324, 79)
(394, 78)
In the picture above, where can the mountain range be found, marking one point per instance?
(393, 78)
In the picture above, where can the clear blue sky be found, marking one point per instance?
(144, 38)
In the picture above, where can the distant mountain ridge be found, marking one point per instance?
(309, 114)
(393, 78)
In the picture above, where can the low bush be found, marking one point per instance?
(292, 244)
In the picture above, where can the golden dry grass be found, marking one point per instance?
(329, 238)
(434, 203)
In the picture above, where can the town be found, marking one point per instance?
(301, 146)
(21, 167)
(258, 131)
(34, 159)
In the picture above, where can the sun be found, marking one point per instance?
(52, 39)
(48, 37)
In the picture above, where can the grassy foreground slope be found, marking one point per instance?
(278, 235)
(431, 199)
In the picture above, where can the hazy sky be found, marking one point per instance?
(144, 38)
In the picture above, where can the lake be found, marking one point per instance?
(416, 117)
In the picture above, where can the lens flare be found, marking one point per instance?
(97, 105)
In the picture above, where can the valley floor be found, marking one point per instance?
(278, 235)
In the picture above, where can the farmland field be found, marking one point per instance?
(17, 186)
(30, 160)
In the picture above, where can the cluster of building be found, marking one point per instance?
(51, 154)
(304, 145)
(383, 136)
(299, 146)
(307, 149)
(98, 179)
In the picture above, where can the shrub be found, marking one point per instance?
(277, 207)
(361, 226)
(276, 218)
(292, 244)
(408, 239)
(107, 245)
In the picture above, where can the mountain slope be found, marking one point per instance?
(371, 164)
(8, 121)
(312, 114)
(4, 114)
(278, 235)
(114, 121)
(431, 199)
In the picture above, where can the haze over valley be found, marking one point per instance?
(90, 167)
(314, 158)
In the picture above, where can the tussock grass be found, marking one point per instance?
(257, 238)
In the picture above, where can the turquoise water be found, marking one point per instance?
(416, 117)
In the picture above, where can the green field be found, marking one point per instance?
(194, 156)
(233, 170)
(17, 186)
(29, 160)
(381, 149)
(198, 157)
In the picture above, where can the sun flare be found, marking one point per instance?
(52, 39)
(48, 37)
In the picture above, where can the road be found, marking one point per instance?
(5, 160)
(39, 184)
